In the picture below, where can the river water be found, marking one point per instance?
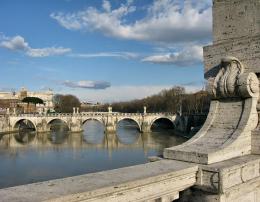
(27, 157)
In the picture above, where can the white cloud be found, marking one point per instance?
(18, 43)
(187, 56)
(44, 52)
(87, 84)
(165, 21)
(106, 6)
(15, 43)
(123, 55)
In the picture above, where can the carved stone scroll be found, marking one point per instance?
(231, 81)
(232, 117)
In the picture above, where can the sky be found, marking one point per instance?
(103, 50)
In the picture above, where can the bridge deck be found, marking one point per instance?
(149, 181)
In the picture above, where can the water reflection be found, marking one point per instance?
(128, 131)
(154, 140)
(93, 132)
(25, 136)
(56, 137)
(29, 157)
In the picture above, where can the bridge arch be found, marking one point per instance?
(93, 119)
(26, 121)
(93, 133)
(50, 122)
(127, 136)
(131, 119)
(169, 120)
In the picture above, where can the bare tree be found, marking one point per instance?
(65, 103)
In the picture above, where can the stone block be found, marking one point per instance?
(234, 19)
(246, 49)
(220, 177)
(234, 180)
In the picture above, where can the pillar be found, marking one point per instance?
(144, 109)
(76, 125)
(145, 126)
(110, 124)
(74, 110)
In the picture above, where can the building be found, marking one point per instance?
(14, 100)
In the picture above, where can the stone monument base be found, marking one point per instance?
(234, 180)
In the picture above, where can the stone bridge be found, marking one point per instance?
(75, 121)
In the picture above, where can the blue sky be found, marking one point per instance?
(103, 50)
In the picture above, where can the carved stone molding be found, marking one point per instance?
(231, 81)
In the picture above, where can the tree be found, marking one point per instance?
(170, 100)
(34, 100)
(65, 103)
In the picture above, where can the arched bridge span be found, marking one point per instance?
(76, 121)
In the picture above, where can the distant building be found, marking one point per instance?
(89, 106)
(14, 100)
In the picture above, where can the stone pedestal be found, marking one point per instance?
(232, 69)
(227, 131)
(226, 145)
(234, 180)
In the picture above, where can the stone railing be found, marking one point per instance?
(161, 180)
(91, 114)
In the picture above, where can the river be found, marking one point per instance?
(27, 157)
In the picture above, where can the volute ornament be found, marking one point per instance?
(232, 81)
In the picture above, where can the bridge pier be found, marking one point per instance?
(146, 127)
(110, 122)
(76, 129)
(110, 128)
(41, 126)
(76, 126)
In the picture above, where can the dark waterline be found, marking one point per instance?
(29, 157)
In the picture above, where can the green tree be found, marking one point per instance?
(34, 100)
